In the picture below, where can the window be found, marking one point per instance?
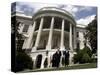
(25, 29)
(57, 23)
(55, 43)
(78, 45)
(77, 34)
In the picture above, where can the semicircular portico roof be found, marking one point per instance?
(55, 10)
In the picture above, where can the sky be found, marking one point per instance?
(82, 14)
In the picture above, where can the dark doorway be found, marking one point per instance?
(38, 61)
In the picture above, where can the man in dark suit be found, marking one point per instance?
(66, 58)
(56, 58)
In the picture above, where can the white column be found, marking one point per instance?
(62, 47)
(42, 62)
(31, 33)
(38, 35)
(70, 38)
(74, 37)
(21, 30)
(70, 45)
(48, 47)
(24, 44)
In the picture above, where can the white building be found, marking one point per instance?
(48, 29)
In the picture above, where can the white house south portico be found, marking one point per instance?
(52, 28)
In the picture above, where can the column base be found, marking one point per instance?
(71, 55)
(48, 61)
(34, 64)
(61, 61)
(63, 49)
(42, 63)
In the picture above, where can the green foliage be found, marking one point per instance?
(23, 61)
(87, 50)
(93, 60)
(76, 58)
(83, 56)
(91, 34)
(77, 49)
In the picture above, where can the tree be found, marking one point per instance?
(91, 34)
(22, 59)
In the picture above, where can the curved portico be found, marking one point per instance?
(52, 28)
(44, 21)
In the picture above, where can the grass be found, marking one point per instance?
(80, 66)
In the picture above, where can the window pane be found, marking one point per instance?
(25, 29)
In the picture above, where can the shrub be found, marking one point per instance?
(88, 51)
(77, 49)
(93, 60)
(85, 58)
(23, 61)
(78, 56)
(76, 59)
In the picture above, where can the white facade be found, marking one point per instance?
(81, 32)
(41, 40)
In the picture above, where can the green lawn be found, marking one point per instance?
(80, 66)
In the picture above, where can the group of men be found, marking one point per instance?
(60, 57)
